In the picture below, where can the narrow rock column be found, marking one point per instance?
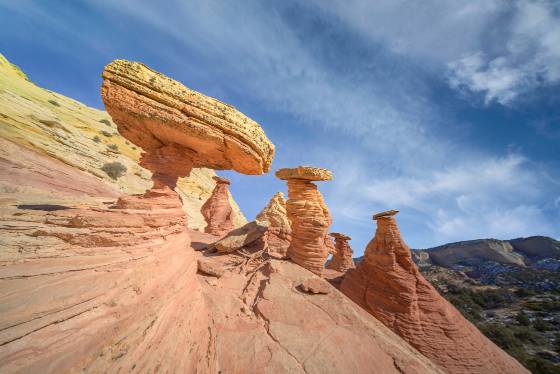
(342, 258)
(217, 210)
(309, 216)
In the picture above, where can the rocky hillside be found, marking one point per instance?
(55, 150)
(509, 289)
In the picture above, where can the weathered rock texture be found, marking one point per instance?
(53, 149)
(308, 215)
(342, 257)
(275, 217)
(155, 111)
(217, 211)
(265, 322)
(388, 285)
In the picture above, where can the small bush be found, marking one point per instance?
(96, 139)
(105, 121)
(113, 147)
(115, 170)
(522, 319)
(541, 325)
(106, 133)
(134, 148)
(54, 103)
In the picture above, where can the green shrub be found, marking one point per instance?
(54, 103)
(522, 319)
(115, 170)
(106, 133)
(105, 121)
(113, 147)
(96, 139)
(541, 325)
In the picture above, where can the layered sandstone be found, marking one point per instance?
(342, 259)
(419, 314)
(217, 210)
(112, 287)
(275, 217)
(308, 215)
(153, 111)
(54, 148)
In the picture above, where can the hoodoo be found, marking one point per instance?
(275, 217)
(309, 216)
(342, 257)
(388, 285)
(116, 289)
(217, 210)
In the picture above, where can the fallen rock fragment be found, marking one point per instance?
(217, 210)
(210, 268)
(309, 216)
(342, 259)
(389, 286)
(239, 238)
(315, 286)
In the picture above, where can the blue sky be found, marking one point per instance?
(448, 111)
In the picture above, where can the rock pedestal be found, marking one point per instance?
(309, 216)
(217, 210)
(389, 286)
(342, 257)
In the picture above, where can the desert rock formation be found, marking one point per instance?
(342, 257)
(419, 314)
(308, 215)
(53, 149)
(217, 211)
(275, 217)
(105, 287)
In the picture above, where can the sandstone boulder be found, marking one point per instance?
(308, 215)
(315, 286)
(239, 238)
(217, 210)
(210, 268)
(388, 285)
(342, 259)
(275, 217)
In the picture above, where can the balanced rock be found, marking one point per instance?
(342, 259)
(162, 116)
(308, 215)
(217, 210)
(275, 217)
(388, 285)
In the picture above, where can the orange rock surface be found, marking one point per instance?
(308, 215)
(217, 210)
(342, 259)
(388, 285)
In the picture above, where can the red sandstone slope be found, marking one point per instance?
(388, 285)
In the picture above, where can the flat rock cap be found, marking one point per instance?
(387, 213)
(338, 235)
(309, 173)
(152, 110)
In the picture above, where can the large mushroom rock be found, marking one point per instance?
(179, 128)
(217, 210)
(342, 257)
(388, 285)
(275, 217)
(309, 216)
(114, 288)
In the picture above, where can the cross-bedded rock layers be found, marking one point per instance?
(275, 217)
(217, 210)
(342, 257)
(309, 216)
(388, 285)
